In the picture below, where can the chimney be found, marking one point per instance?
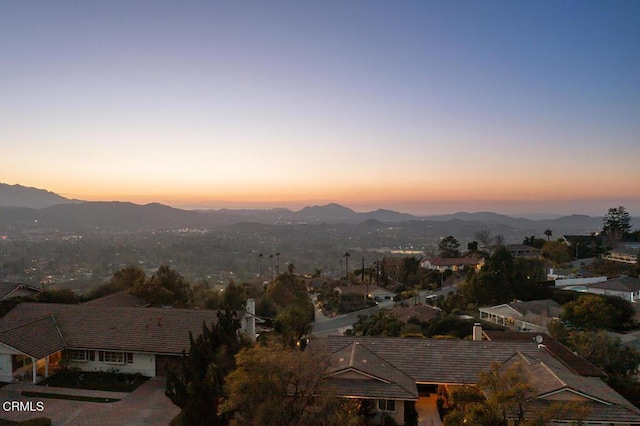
(477, 331)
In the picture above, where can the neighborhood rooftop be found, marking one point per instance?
(152, 330)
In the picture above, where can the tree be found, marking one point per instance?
(499, 239)
(198, 388)
(124, 279)
(616, 225)
(501, 399)
(484, 237)
(165, 287)
(596, 312)
(274, 385)
(494, 283)
(383, 323)
(291, 324)
(548, 233)
(555, 251)
(448, 247)
(346, 256)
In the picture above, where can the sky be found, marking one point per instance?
(424, 107)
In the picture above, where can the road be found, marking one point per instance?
(324, 326)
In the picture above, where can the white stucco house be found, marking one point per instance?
(36, 337)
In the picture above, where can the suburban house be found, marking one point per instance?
(454, 263)
(372, 291)
(13, 290)
(627, 288)
(625, 253)
(522, 316)
(392, 371)
(36, 337)
(516, 250)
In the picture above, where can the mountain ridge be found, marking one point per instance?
(76, 214)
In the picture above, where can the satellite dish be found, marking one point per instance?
(539, 339)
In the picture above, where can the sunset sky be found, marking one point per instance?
(418, 106)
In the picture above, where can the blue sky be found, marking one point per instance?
(427, 107)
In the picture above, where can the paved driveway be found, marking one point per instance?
(147, 405)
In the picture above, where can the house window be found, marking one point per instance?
(386, 405)
(129, 358)
(77, 355)
(114, 357)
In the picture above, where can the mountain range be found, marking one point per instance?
(22, 207)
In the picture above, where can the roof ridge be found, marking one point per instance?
(546, 367)
(64, 342)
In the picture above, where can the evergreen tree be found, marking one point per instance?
(198, 388)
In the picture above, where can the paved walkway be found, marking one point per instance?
(147, 405)
(428, 411)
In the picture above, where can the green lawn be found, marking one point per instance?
(98, 380)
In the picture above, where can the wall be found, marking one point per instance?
(5, 368)
(144, 364)
(6, 373)
(579, 281)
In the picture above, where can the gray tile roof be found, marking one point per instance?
(460, 361)
(150, 330)
(437, 360)
(8, 290)
(547, 307)
(375, 374)
(36, 339)
(629, 284)
(569, 359)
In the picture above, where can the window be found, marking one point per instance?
(386, 405)
(76, 355)
(114, 357)
(129, 358)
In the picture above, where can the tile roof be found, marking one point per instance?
(150, 330)
(561, 352)
(6, 290)
(547, 307)
(434, 360)
(549, 377)
(460, 361)
(384, 380)
(629, 284)
(120, 299)
(36, 339)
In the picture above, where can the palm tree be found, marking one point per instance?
(271, 259)
(346, 256)
(548, 233)
(260, 256)
(277, 263)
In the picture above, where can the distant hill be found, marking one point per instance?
(23, 208)
(22, 196)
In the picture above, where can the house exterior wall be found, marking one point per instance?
(6, 365)
(144, 364)
(397, 414)
(6, 375)
(626, 295)
(579, 281)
